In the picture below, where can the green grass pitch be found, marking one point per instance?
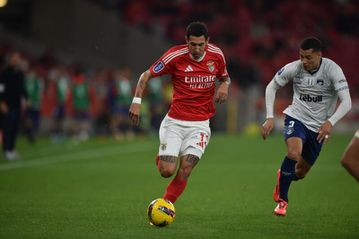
(101, 189)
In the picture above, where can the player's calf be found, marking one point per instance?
(188, 162)
(301, 169)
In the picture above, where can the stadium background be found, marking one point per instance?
(100, 187)
(112, 38)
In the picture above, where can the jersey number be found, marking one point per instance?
(291, 124)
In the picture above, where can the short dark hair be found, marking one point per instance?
(197, 29)
(311, 43)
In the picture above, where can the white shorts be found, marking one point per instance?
(179, 137)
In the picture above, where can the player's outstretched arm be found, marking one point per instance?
(135, 108)
(222, 91)
(268, 125)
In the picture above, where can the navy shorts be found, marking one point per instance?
(311, 146)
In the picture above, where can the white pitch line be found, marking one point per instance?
(88, 154)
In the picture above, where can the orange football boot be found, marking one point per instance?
(281, 208)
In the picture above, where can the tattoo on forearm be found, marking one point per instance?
(142, 84)
(169, 159)
(192, 159)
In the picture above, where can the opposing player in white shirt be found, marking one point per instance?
(317, 84)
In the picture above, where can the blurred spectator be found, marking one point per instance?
(121, 99)
(12, 99)
(101, 106)
(34, 89)
(157, 103)
(60, 82)
(81, 97)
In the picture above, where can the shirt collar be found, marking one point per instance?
(200, 59)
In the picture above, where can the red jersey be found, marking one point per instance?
(193, 81)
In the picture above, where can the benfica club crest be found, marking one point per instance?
(163, 147)
(210, 65)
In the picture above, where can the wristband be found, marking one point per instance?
(137, 100)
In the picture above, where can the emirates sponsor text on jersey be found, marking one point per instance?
(200, 82)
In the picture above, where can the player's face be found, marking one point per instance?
(310, 59)
(196, 46)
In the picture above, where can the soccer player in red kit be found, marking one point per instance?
(184, 133)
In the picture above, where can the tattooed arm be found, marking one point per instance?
(134, 112)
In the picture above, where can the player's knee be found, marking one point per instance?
(166, 172)
(293, 154)
(167, 165)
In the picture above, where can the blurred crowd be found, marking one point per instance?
(73, 101)
(258, 37)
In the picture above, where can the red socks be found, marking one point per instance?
(176, 186)
(175, 189)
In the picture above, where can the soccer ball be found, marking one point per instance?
(161, 212)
